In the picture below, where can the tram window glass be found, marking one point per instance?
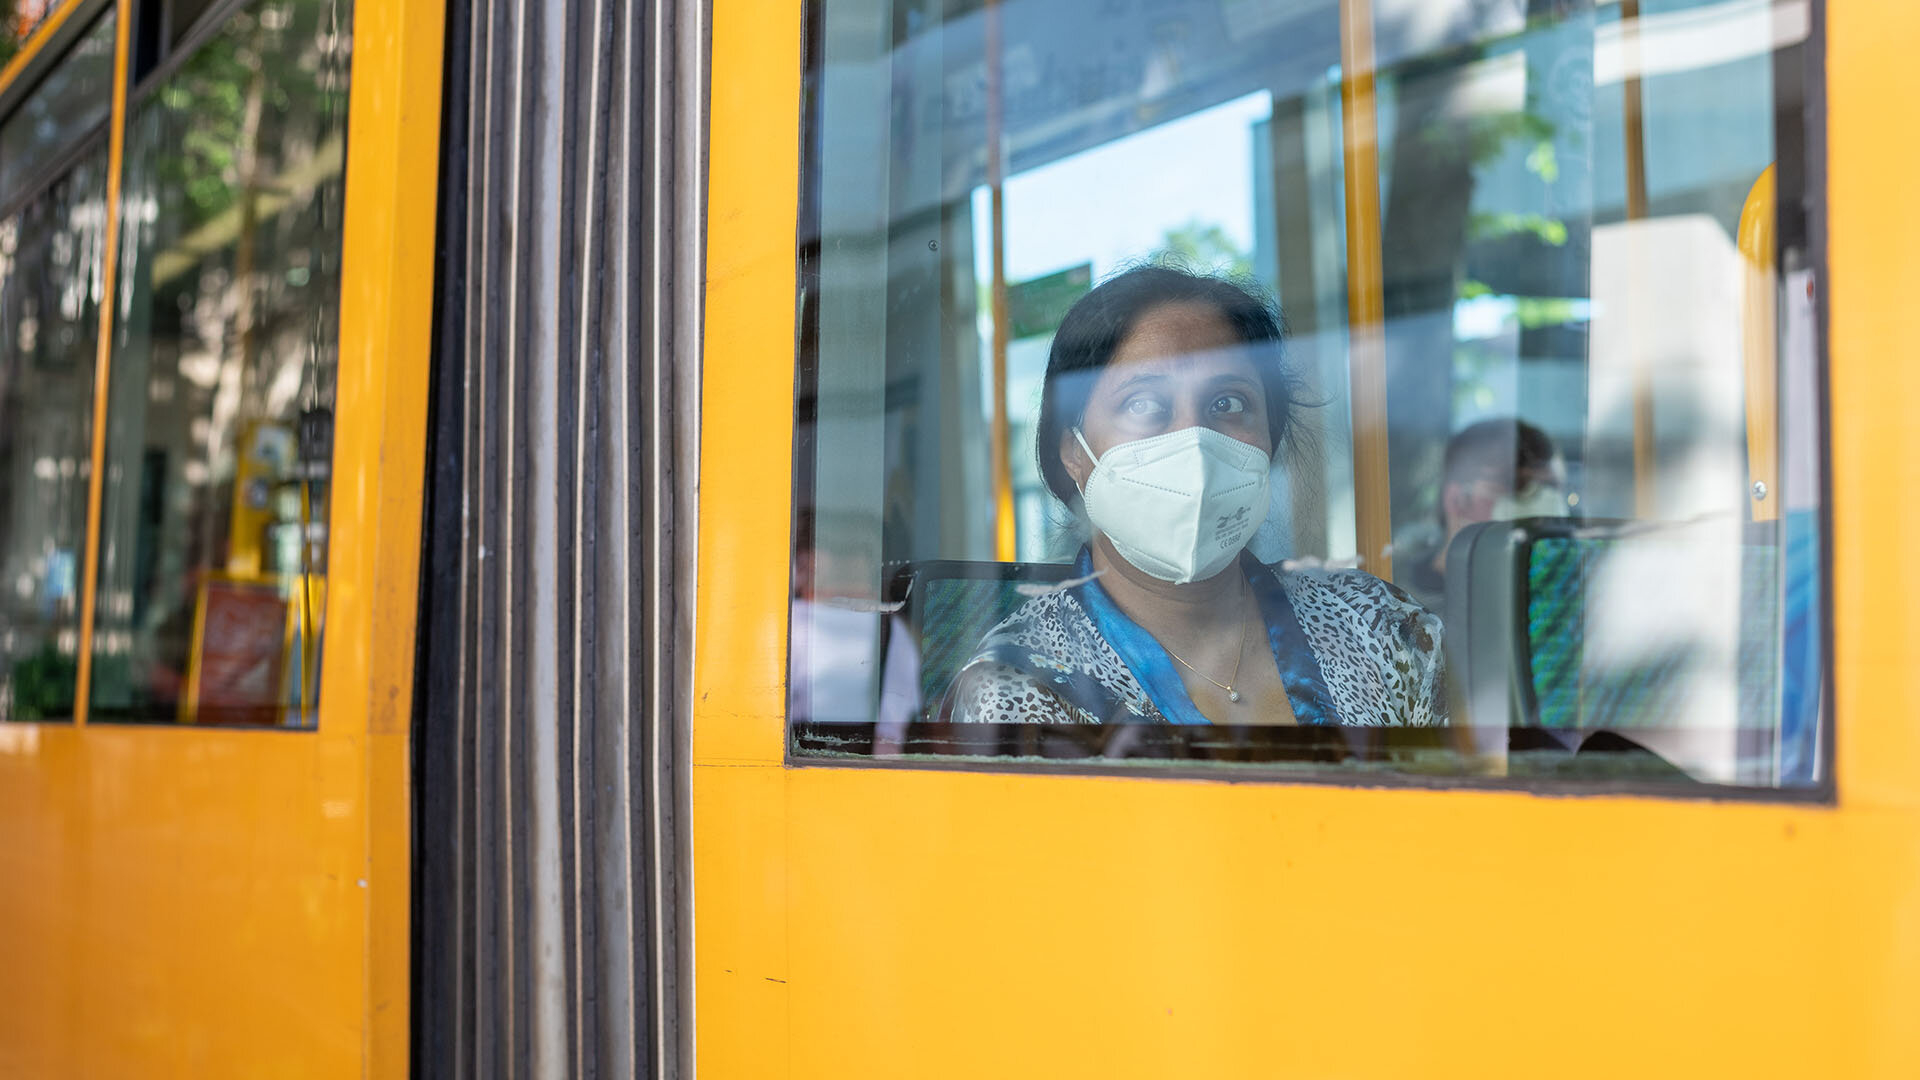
(181, 15)
(56, 114)
(1041, 404)
(51, 264)
(213, 552)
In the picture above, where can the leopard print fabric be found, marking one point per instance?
(1379, 653)
(1061, 638)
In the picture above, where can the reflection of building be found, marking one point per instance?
(1535, 172)
(50, 254)
(1666, 297)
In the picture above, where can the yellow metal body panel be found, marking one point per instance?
(880, 922)
(185, 902)
(1875, 444)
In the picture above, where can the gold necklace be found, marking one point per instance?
(1232, 694)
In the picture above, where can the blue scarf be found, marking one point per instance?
(1153, 668)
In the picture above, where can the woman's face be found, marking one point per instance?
(1181, 366)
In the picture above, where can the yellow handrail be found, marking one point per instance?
(1001, 460)
(1366, 304)
(1757, 347)
(103, 355)
(1633, 127)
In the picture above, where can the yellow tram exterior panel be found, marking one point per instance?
(883, 922)
(182, 902)
(194, 902)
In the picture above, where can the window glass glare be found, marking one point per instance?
(220, 414)
(74, 98)
(1100, 454)
(51, 281)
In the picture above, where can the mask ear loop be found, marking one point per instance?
(1091, 456)
(1082, 439)
(1080, 514)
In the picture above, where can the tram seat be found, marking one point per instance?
(1547, 655)
(952, 604)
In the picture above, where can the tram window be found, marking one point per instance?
(213, 551)
(51, 256)
(57, 114)
(1064, 491)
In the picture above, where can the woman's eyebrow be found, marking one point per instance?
(1143, 377)
(1231, 378)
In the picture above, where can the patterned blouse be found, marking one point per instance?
(1350, 648)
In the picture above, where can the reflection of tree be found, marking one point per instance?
(252, 181)
(1205, 246)
(232, 298)
(257, 97)
(17, 21)
(1440, 146)
(247, 112)
(217, 89)
(50, 258)
(10, 31)
(41, 685)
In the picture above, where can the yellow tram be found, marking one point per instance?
(655, 538)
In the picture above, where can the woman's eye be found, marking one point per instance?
(1229, 403)
(1142, 406)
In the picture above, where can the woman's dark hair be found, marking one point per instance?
(1096, 325)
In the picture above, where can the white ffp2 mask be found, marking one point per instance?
(1179, 506)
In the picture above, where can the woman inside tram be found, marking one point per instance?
(1166, 401)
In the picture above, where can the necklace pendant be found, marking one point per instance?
(1233, 696)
